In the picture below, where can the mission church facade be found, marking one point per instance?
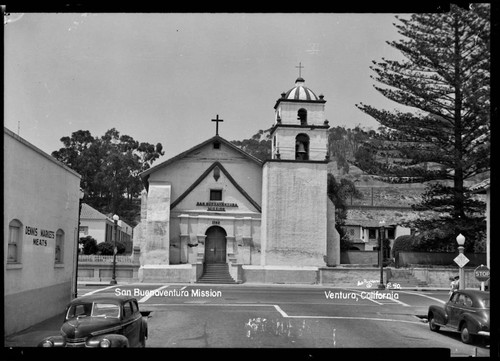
(216, 204)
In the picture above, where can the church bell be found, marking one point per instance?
(301, 149)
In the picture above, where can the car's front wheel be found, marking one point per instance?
(432, 324)
(465, 335)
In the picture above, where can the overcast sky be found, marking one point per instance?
(163, 77)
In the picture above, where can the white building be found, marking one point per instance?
(101, 227)
(41, 201)
(216, 204)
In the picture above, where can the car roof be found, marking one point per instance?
(474, 293)
(103, 298)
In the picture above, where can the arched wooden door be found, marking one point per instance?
(215, 245)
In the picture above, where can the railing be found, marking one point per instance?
(106, 259)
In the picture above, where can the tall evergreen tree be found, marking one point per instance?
(444, 79)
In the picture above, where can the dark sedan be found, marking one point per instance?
(101, 321)
(467, 312)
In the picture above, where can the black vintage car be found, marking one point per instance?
(467, 311)
(101, 321)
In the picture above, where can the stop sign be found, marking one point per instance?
(482, 273)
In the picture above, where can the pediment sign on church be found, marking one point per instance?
(215, 190)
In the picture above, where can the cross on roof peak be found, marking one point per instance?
(217, 120)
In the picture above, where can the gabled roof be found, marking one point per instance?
(204, 175)
(196, 147)
(88, 212)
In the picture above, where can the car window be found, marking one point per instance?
(454, 297)
(135, 308)
(467, 301)
(79, 310)
(461, 300)
(127, 309)
(105, 310)
(485, 302)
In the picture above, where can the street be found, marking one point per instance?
(287, 316)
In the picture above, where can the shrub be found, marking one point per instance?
(105, 248)
(89, 245)
(404, 243)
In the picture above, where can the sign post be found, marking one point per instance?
(482, 274)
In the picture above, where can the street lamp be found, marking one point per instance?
(381, 254)
(115, 219)
(461, 274)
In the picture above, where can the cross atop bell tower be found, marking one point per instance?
(217, 120)
(300, 68)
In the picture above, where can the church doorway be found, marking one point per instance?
(215, 245)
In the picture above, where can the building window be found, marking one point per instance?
(372, 234)
(15, 239)
(84, 230)
(216, 145)
(59, 251)
(216, 194)
(302, 116)
(390, 233)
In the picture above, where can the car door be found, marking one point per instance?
(129, 325)
(449, 309)
(457, 310)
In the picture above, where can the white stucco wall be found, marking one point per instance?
(315, 112)
(43, 195)
(285, 142)
(294, 214)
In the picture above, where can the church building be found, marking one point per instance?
(215, 213)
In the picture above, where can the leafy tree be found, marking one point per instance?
(344, 144)
(338, 194)
(259, 145)
(445, 80)
(110, 168)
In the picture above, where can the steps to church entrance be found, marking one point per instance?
(216, 273)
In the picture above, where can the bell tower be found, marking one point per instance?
(298, 219)
(300, 130)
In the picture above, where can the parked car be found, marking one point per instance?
(467, 311)
(101, 321)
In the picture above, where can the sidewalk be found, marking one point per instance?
(31, 336)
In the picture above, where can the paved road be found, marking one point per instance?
(280, 316)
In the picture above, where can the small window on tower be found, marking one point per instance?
(302, 116)
(216, 194)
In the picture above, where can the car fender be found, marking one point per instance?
(115, 339)
(473, 324)
(57, 341)
(439, 314)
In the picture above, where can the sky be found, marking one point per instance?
(162, 77)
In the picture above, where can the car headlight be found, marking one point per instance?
(105, 343)
(47, 343)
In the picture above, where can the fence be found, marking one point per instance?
(103, 259)
(100, 268)
(405, 259)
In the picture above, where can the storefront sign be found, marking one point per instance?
(216, 206)
(33, 231)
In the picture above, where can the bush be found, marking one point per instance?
(105, 248)
(404, 243)
(89, 245)
(129, 245)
